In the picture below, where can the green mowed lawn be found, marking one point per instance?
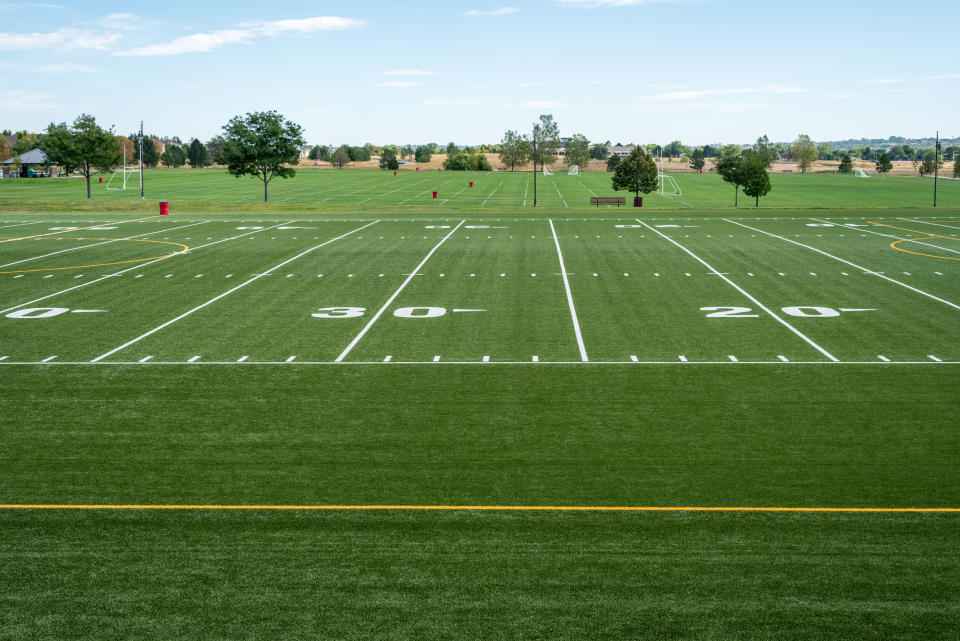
(426, 359)
(364, 190)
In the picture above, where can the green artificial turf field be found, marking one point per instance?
(446, 365)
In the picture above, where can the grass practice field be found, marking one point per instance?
(374, 190)
(467, 424)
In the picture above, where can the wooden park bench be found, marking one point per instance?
(608, 200)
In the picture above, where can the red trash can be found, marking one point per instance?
(434, 194)
(471, 183)
(394, 173)
(638, 201)
(101, 180)
(164, 208)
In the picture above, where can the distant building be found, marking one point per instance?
(620, 150)
(305, 150)
(32, 163)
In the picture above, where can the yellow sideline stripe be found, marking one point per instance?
(910, 240)
(491, 508)
(62, 231)
(119, 262)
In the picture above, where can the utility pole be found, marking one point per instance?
(936, 167)
(141, 160)
(534, 165)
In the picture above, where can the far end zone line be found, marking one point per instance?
(138, 266)
(566, 285)
(478, 508)
(390, 300)
(745, 293)
(227, 293)
(847, 262)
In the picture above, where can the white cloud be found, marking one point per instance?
(409, 72)
(27, 101)
(537, 104)
(66, 39)
(10, 6)
(450, 102)
(708, 107)
(398, 83)
(63, 67)
(701, 93)
(503, 11)
(122, 21)
(203, 42)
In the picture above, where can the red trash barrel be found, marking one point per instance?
(471, 183)
(164, 208)
(638, 201)
(101, 180)
(394, 173)
(434, 194)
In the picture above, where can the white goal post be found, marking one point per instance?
(125, 176)
(547, 172)
(860, 173)
(574, 171)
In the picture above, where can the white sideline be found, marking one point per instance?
(226, 293)
(106, 242)
(487, 364)
(138, 266)
(745, 293)
(390, 300)
(927, 222)
(894, 236)
(566, 285)
(847, 262)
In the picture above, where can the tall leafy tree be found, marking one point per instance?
(340, 157)
(599, 151)
(388, 158)
(215, 147)
(612, 162)
(197, 154)
(84, 146)
(514, 150)
(5, 151)
(803, 152)
(956, 165)
(423, 153)
(577, 151)
(754, 177)
(846, 164)
(927, 164)
(883, 163)
(25, 142)
(730, 169)
(262, 144)
(546, 135)
(674, 149)
(696, 160)
(637, 173)
(766, 150)
(173, 156)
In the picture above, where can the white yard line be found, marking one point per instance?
(566, 285)
(390, 300)
(847, 262)
(20, 224)
(561, 195)
(106, 242)
(247, 363)
(138, 266)
(227, 293)
(744, 292)
(926, 222)
(893, 236)
(525, 188)
(491, 194)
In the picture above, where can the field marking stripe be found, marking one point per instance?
(106, 242)
(847, 262)
(489, 508)
(54, 233)
(926, 236)
(793, 329)
(393, 297)
(124, 271)
(687, 363)
(930, 222)
(21, 224)
(226, 293)
(566, 286)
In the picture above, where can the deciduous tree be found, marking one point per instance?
(612, 162)
(84, 146)
(927, 164)
(577, 151)
(766, 150)
(754, 177)
(215, 147)
(197, 154)
(514, 150)
(262, 144)
(846, 164)
(546, 135)
(4, 149)
(730, 169)
(340, 157)
(956, 165)
(388, 158)
(25, 142)
(599, 151)
(803, 152)
(696, 160)
(422, 154)
(637, 173)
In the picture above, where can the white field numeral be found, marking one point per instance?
(800, 311)
(728, 312)
(38, 312)
(339, 312)
(419, 312)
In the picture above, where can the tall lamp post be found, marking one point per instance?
(936, 167)
(534, 165)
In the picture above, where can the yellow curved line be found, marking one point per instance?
(119, 262)
(910, 240)
(518, 508)
(132, 220)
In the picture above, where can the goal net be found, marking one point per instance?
(574, 171)
(547, 172)
(124, 177)
(667, 185)
(860, 173)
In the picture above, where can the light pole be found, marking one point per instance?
(936, 167)
(534, 165)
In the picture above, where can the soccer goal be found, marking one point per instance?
(667, 185)
(574, 171)
(547, 172)
(860, 173)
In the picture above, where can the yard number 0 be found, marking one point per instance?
(38, 312)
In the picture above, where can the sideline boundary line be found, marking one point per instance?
(769, 311)
(566, 286)
(479, 508)
(61, 232)
(226, 293)
(847, 262)
(486, 364)
(393, 296)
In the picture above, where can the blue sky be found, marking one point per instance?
(408, 72)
